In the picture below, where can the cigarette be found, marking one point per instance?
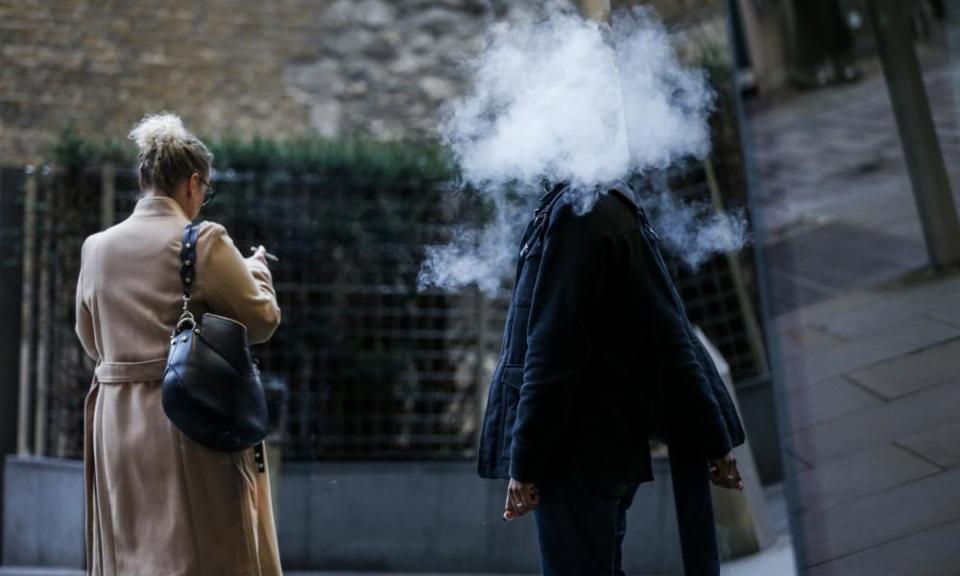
(267, 254)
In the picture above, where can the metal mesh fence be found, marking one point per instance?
(375, 368)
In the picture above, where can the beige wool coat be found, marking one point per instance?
(158, 504)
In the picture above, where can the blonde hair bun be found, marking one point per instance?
(169, 153)
(159, 131)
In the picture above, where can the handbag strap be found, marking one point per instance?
(188, 262)
(188, 257)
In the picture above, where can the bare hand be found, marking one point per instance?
(522, 497)
(725, 474)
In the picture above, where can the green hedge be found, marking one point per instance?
(358, 159)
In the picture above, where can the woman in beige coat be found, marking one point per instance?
(159, 504)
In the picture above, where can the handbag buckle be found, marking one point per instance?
(186, 317)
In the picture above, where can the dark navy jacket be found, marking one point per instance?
(598, 355)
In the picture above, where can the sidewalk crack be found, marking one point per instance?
(913, 452)
(854, 382)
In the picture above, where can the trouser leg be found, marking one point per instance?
(821, 33)
(581, 525)
(622, 508)
(837, 39)
(691, 490)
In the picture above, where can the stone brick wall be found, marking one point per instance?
(242, 67)
(235, 67)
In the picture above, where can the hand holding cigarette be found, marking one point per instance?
(261, 252)
(725, 474)
(522, 497)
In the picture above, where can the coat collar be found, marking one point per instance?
(621, 189)
(159, 206)
(550, 193)
(618, 187)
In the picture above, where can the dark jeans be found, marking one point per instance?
(581, 524)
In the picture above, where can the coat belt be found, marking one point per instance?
(117, 372)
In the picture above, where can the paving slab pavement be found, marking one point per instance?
(870, 348)
(873, 434)
(776, 560)
(872, 384)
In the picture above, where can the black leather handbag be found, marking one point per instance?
(211, 385)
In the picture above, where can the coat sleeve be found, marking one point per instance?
(237, 287)
(84, 320)
(693, 410)
(567, 287)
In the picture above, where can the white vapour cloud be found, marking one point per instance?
(558, 98)
(695, 232)
(481, 257)
(564, 99)
(546, 102)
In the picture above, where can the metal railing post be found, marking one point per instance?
(108, 195)
(44, 318)
(26, 321)
(481, 378)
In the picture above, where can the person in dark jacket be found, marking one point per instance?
(598, 357)
(823, 44)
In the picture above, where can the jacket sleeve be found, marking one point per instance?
(567, 287)
(692, 408)
(237, 287)
(84, 321)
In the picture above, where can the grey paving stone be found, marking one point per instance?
(934, 552)
(908, 336)
(811, 338)
(789, 292)
(864, 518)
(886, 314)
(841, 256)
(876, 520)
(873, 427)
(940, 444)
(916, 371)
(949, 315)
(823, 311)
(930, 289)
(858, 476)
(809, 405)
(905, 227)
(880, 213)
